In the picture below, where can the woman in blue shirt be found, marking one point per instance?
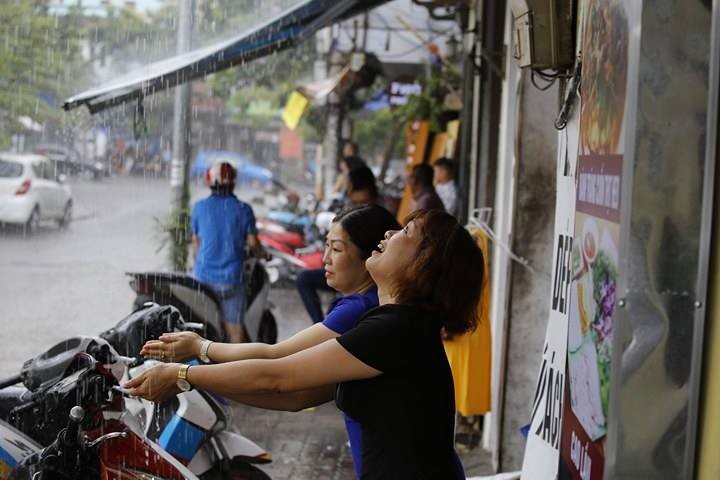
(354, 233)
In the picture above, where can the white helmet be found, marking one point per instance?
(220, 174)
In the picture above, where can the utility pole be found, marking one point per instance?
(331, 144)
(179, 166)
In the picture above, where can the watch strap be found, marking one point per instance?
(182, 373)
(204, 348)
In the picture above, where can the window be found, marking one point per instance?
(43, 170)
(10, 169)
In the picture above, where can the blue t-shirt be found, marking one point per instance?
(222, 223)
(344, 314)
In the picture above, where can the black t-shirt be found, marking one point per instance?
(407, 413)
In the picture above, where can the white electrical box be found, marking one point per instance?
(543, 33)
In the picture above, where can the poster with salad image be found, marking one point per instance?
(590, 328)
(593, 290)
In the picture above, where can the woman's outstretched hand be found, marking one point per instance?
(173, 347)
(155, 384)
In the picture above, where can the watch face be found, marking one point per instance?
(183, 385)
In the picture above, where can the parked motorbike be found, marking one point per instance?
(198, 304)
(191, 426)
(287, 258)
(98, 442)
(292, 249)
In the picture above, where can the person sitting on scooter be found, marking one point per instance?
(222, 226)
(390, 372)
(353, 235)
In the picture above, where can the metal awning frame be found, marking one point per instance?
(279, 33)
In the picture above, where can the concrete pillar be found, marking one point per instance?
(532, 239)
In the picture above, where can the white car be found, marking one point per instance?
(31, 191)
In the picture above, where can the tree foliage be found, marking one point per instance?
(40, 62)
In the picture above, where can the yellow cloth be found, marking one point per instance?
(294, 109)
(470, 354)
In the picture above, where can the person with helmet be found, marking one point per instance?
(222, 227)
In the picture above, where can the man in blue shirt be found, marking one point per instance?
(222, 226)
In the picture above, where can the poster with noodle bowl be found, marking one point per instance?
(597, 239)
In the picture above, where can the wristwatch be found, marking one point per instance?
(182, 381)
(204, 351)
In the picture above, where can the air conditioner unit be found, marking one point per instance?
(544, 33)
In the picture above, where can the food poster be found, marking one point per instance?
(597, 232)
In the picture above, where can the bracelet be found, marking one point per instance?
(204, 351)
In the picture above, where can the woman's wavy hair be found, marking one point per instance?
(366, 226)
(446, 276)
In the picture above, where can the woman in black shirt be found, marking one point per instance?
(390, 372)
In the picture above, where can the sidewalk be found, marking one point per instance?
(312, 444)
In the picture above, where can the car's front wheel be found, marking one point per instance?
(33, 223)
(64, 221)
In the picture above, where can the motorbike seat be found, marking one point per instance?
(48, 367)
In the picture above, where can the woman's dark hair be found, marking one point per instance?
(366, 226)
(446, 275)
(423, 175)
(446, 163)
(354, 162)
(362, 178)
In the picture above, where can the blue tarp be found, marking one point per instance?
(285, 30)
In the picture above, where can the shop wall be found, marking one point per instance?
(533, 240)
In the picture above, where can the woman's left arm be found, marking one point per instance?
(324, 364)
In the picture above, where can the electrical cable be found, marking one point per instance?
(396, 55)
(389, 26)
(566, 110)
(550, 82)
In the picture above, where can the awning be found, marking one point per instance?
(285, 30)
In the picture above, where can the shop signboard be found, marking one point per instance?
(400, 90)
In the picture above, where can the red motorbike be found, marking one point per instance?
(289, 249)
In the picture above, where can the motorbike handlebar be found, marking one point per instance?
(8, 382)
(191, 326)
(125, 360)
